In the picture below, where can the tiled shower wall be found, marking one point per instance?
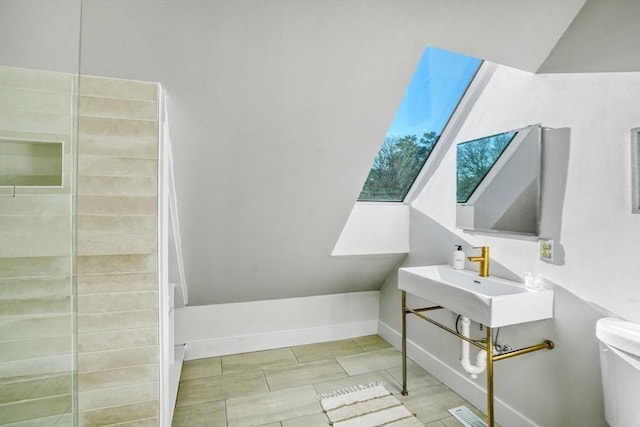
(117, 206)
(36, 323)
(116, 282)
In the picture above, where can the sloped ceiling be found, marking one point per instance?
(277, 109)
(604, 37)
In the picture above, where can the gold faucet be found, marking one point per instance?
(483, 259)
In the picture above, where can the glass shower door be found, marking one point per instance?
(37, 128)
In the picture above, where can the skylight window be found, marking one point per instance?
(435, 90)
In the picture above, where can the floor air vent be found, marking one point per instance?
(466, 417)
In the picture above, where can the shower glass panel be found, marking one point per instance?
(36, 247)
(39, 60)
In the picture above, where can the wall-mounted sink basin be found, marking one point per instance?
(492, 301)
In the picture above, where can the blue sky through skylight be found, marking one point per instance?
(438, 83)
(434, 92)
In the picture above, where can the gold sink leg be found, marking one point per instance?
(490, 377)
(404, 344)
(491, 357)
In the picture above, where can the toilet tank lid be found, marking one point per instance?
(620, 334)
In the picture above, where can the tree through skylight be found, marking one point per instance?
(438, 84)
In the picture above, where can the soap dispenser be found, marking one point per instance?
(458, 258)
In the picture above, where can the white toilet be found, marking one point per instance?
(620, 363)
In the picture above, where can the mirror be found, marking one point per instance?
(498, 182)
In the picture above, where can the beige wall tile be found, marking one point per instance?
(33, 409)
(117, 281)
(119, 414)
(56, 420)
(100, 264)
(29, 245)
(116, 224)
(88, 125)
(115, 321)
(46, 365)
(94, 399)
(45, 205)
(118, 108)
(101, 283)
(131, 147)
(123, 301)
(22, 191)
(35, 287)
(117, 186)
(95, 361)
(29, 121)
(115, 88)
(111, 340)
(116, 244)
(65, 138)
(117, 377)
(34, 348)
(35, 79)
(15, 328)
(22, 99)
(35, 306)
(35, 267)
(35, 388)
(117, 205)
(34, 224)
(93, 165)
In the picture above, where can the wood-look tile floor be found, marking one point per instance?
(278, 388)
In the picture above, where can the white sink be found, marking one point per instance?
(492, 301)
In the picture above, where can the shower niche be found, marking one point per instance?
(26, 163)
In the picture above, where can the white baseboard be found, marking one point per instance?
(472, 392)
(221, 329)
(278, 339)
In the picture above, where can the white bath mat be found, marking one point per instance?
(366, 406)
(466, 417)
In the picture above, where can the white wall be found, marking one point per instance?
(220, 329)
(597, 227)
(375, 228)
(589, 218)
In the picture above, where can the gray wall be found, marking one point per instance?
(277, 110)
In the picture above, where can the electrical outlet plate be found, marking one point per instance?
(546, 250)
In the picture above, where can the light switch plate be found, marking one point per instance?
(546, 250)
